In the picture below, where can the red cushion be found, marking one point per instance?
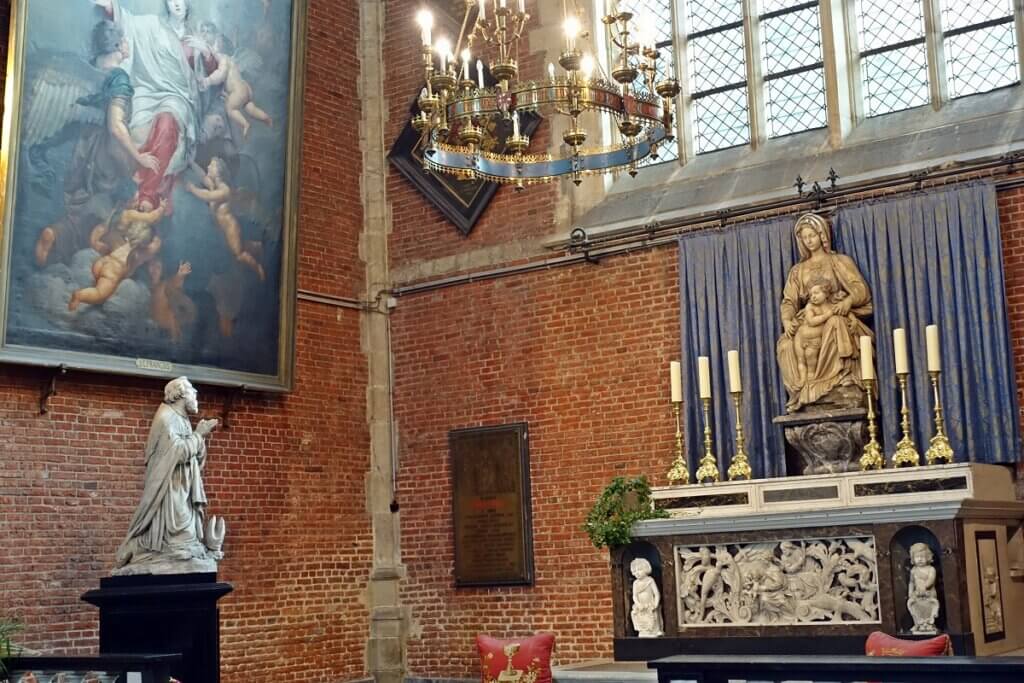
(881, 645)
(532, 657)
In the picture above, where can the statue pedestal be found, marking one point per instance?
(163, 614)
(828, 441)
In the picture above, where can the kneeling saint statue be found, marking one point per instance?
(166, 535)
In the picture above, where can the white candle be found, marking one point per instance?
(515, 124)
(425, 19)
(480, 73)
(522, 6)
(572, 29)
(867, 364)
(704, 376)
(443, 49)
(899, 346)
(675, 373)
(465, 64)
(931, 334)
(735, 381)
(483, 10)
(502, 4)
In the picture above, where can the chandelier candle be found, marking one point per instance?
(639, 101)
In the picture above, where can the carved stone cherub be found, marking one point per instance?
(922, 600)
(646, 612)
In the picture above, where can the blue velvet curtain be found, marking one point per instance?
(930, 258)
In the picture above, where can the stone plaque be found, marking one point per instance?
(491, 506)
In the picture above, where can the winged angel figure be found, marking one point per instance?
(89, 103)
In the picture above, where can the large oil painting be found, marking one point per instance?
(149, 197)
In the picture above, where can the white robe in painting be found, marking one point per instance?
(164, 82)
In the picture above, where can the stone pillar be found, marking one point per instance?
(385, 651)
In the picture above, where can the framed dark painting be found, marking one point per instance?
(461, 201)
(491, 506)
(149, 196)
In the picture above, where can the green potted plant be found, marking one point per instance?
(8, 628)
(623, 503)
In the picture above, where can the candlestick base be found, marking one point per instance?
(739, 468)
(939, 451)
(872, 459)
(707, 473)
(678, 475)
(906, 454)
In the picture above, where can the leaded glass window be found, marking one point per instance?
(794, 73)
(980, 45)
(893, 55)
(718, 73)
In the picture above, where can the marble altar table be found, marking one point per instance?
(809, 565)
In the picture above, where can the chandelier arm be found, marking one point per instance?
(462, 31)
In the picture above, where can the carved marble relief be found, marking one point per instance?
(991, 594)
(778, 583)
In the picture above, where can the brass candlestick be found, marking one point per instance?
(739, 468)
(678, 474)
(939, 450)
(906, 454)
(708, 470)
(872, 459)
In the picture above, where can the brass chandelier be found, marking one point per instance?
(458, 108)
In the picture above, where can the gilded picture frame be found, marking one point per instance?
(491, 506)
(149, 186)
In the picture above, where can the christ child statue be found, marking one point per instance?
(646, 613)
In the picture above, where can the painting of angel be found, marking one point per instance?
(149, 197)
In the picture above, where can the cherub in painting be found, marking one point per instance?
(238, 94)
(140, 244)
(217, 193)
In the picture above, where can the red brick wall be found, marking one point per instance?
(287, 476)
(578, 353)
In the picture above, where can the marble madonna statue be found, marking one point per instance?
(167, 534)
(824, 303)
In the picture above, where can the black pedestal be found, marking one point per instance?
(165, 614)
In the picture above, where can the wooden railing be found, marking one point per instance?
(723, 668)
(100, 669)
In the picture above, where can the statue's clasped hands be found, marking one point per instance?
(206, 426)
